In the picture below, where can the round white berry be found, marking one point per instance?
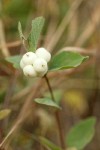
(29, 58)
(43, 53)
(41, 74)
(40, 66)
(29, 71)
(22, 65)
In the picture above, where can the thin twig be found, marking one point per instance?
(61, 135)
(50, 89)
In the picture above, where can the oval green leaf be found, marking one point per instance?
(48, 102)
(81, 134)
(15, 60)
(20, 31)
(4, 113)
(37, 25)
(57, 95)
(66, 60)
(48, 144)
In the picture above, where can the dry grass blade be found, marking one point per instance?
(90, 28)
(80, 50)
(4, 48)
(23, 115)
(63, 24)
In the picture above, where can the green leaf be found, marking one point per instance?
(49, 144)
(81, 134)
(15, 60)
(47, 101)
(37, 25)
(57, 95)
(20, 31)
(66, 60)
(4, 113)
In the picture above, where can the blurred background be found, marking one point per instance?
(71, 25)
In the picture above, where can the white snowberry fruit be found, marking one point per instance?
(29, 58)
(22, 65)
(43, 53)
(29, 71)
(41, 74)
(40, 66)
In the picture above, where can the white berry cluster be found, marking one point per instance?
(35, 64)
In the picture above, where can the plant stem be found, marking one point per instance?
(57, 116)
